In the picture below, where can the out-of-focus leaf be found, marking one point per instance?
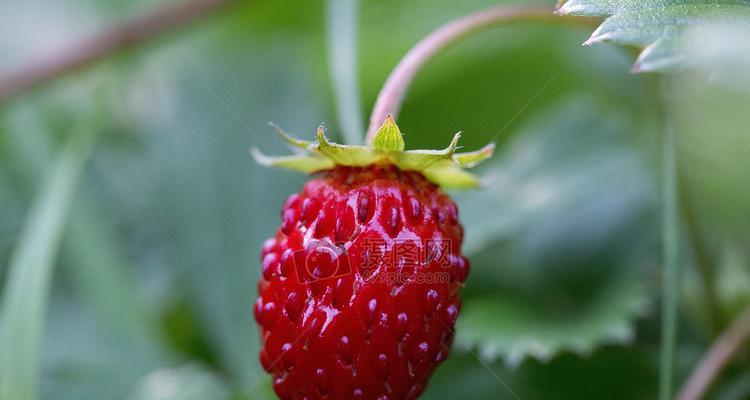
(30, 271)
(731, 281)
(465, 373)
(510, 326)
(657, 25)
(187, 382)
(722, 51)
(85, 359)
(261, 389)
(566, 195)
(734, 388)
(608, 373)
(711, 121)
(102, 277)
(573, 174)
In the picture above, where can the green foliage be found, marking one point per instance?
(541, 184)
(512, 326)
(30, 270)
(657, 25)
(569, 376)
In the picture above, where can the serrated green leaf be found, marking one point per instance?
(563, 192)
(590, 8)
(513, 326)
(660, 55)
(658, 25)
(306, 163)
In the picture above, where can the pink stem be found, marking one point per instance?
(129, 34)
(392, 95)
(719, 355)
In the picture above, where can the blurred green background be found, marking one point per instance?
(153, 284)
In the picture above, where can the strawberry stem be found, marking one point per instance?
(392, 95)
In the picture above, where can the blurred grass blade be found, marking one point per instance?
(30, 271)
(91, 253)
(342, 48)
(671, 264)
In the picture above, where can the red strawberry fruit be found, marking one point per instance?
(360, 287)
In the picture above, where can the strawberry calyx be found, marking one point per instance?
(444, 168)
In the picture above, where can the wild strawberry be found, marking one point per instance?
(360, 287)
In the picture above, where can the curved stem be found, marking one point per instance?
(392, 95)
(717, 358)
(129, 34)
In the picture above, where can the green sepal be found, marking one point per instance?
(388, 137)
(472, 158)
(291, 140)
(419, 160)
(307, 163)
(354, 156)
(449, 175)
(442, 167)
